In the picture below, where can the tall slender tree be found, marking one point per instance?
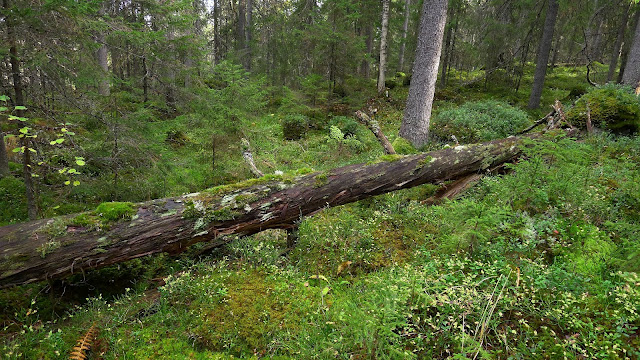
(405, 29)
(383, 45)
(543, 54)
(417, 114)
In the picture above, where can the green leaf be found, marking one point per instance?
(70, 133)
(76, 183)
(33, 150)
(4, 98)
(24, 130)
(53, 142)
(80, 162)
(17, 150)
(20, 107)
(13, 117)
(325, 291)
(3, 108)
(67, 182)
(59, 141)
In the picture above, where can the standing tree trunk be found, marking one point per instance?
(631, 74)
(240, 33)
(445, 55)
(216, 35)
(4, 159)
(417, 114)
(383, 45)
(102, 55)
(366, 65)
(18, 100)
(248, 35)
(613, 62)
(405, 29)
(543, 54)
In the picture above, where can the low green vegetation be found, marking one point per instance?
(610, 107)
(479, 121)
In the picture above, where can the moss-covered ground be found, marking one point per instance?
(539, 263)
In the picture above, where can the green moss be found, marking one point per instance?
(402, 146)
(390, 157)
(48, 248)
(89, 220)
(426, 160)
(321, 180)
(114, 211)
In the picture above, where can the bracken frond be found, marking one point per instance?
(79, 352)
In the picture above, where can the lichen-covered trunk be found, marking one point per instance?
(417, 114)
(53, 248)
(543, 54)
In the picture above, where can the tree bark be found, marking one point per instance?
(54, 248)
(417, 114)
(445, 56)
(102, 55)
(405, 29)
(631, 74)
(366, 66)
(383, 46)
(18, 100)
(373, 125)
(248, 35)
(613, 62)
(626, 46)
(543, 54)
(4, 159)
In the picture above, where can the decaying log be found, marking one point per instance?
(54, 248)
(375, 129)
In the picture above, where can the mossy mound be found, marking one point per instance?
(479, 121)
(611, 107)
(294, 127)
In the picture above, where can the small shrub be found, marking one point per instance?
(611, 107)
(347, 125)
(294, 127)
(176, 138)
(479, 121)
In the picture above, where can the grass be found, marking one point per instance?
(538, 263)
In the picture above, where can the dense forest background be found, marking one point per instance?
(129, 101)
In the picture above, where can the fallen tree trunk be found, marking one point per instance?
(54, 248)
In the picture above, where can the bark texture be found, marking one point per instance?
(615, 54)
(383, 46)
(417, 114)
(543, 54)
(4, 159)
(631, 74)
(102, 55)
(373, 125)
(53, 248)
(405, 29)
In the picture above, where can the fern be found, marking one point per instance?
(79, 352)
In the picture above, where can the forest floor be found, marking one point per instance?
(540, 262)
